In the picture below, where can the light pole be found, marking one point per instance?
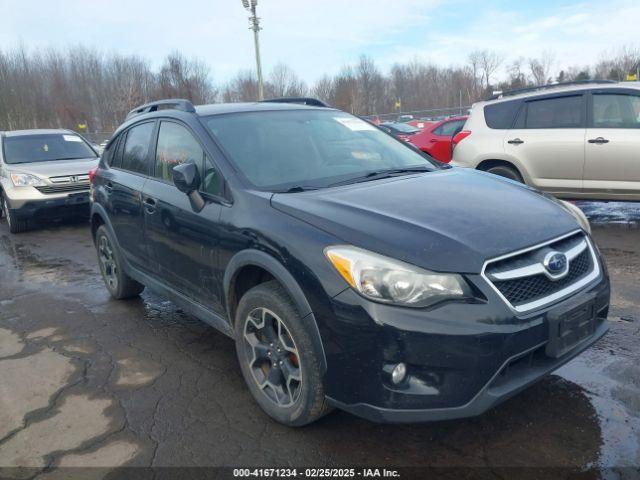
(254, 24)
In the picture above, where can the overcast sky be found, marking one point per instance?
(317, 37)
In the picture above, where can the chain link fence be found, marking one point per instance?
(96, 137)
(430, 115)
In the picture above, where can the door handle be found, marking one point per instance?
(598, 141)
(149, 205)
(108, 187)
(515, 141)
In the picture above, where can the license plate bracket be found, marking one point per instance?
(77, 198)
(569, 325)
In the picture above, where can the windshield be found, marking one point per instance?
(308, 148)
(45, 148)
(403, 127)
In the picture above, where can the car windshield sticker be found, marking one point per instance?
(354, 124)
(71, 138)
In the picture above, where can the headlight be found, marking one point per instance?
(25, 180)
(582, 219)
(386, 280)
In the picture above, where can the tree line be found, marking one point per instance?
(85, 89)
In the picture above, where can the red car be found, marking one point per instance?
(436, 139)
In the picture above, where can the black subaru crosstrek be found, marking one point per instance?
(350, 270)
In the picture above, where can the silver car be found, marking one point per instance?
(574, 141)
(43, 173)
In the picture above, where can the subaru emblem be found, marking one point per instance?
(555, 263)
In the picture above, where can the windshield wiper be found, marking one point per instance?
(297, 188)
(379, 174)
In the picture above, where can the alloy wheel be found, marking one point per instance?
(273, 357)
(108, 265)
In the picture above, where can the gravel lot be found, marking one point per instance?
(90, 382)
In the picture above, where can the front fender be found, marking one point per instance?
(252, 257)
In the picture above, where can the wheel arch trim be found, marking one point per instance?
(258, 258)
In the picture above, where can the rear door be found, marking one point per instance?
(123, 184)
(184, 243)
(612, 147)
(548, 142)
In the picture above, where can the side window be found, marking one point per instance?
(176, 146)
(562, 112)
(616, 111)
(449, 128)
(500, 115)
(135, 153)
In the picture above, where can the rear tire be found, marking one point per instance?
(119, 284)
(15, 225)
(279, 361)
(507, 172)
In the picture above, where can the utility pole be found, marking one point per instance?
(254, 24)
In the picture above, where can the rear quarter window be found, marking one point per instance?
(500, 115)
(135, 154)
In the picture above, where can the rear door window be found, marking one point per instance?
(616, 111)
(135, 154)
(559, 112)
(500, 115)
(449, 128)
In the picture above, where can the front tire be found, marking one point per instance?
(15, 225)
(119, 284)
(279, 361)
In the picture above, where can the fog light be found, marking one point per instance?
(398, 373)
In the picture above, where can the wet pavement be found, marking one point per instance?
(92, 382)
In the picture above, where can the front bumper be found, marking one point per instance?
(462, 359)
(74, 204)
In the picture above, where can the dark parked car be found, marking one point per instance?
(403, 131)
(350, 270)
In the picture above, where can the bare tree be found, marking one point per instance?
(284, 82)
(541, 67)
(242, 88)
(617, 64)
(485, 63)
(184, 78)
(84, 87)
(323, 88)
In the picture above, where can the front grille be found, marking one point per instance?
(529, 289)
(74, 187)
(523, 281)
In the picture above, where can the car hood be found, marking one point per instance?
(56, 168)
(448, 220)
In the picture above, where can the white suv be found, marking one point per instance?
(579, 140)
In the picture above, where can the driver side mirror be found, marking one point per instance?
(186, 178)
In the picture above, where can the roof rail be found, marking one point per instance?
(174, 103)
(314, 102)
(518, 91)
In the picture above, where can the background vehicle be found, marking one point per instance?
(436, 139)
(404, 118)
(403, 131)
(44, 173)
(303, 246)
(578, 140)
